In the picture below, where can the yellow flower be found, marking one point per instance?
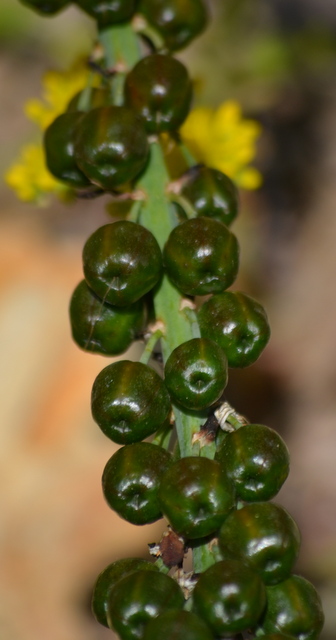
(30, 178)
(224, 140)
(59, 87)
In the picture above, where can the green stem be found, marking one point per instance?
(148, 350)
(156, 215)
(122, 52)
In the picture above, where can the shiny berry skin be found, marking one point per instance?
(177, 625)
(277, 636)
(107, 580)
(201, 256)
(195, 496)
(129, 401)
(238, 324)
(131, 479)
(108, 12)
(111, 146)
(263, 535)
(230, 597)
(140, 597)
(99, 327)
(122, 261)
(211, 193)
(59, 149)
(256, 459)
(159, 90)
(196, 373)
(294, 608)
(46, 7)
(177, 21)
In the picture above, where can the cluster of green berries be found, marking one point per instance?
(223, 501)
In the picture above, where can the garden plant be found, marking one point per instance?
(163, 273)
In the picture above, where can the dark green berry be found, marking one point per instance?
(129, 401)
(211, 193)
(108, 12)
(140, 597)
(46, 7)
(158, 89)
(294, 608)
(131, 479)
(263, 535)
(201, 256)
(60, 152)
(177, 21)
(196, 373)
(122, 261)
(111, 146)
(256, 458)
(195, 496)
(238, 324)
(230, 597)
(101, 328)
(177, 625)
(107, 580)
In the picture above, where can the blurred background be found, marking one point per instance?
(278, 59)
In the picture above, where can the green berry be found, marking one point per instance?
(46, 7)
(263, 535)
(177, 21)
(99, 327)
(131, 479)
(129, 401)
(122, 261)
(108, 12)
(111, 146)
(211, 193)
(230, 597)
(201, 256)
(159, 90)
(140, 597)
(294, 608)
(177, 625)
(195, 496)
(256, 458)
(196, 373)
(59, 149)
(238, 324)
(107, 580)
